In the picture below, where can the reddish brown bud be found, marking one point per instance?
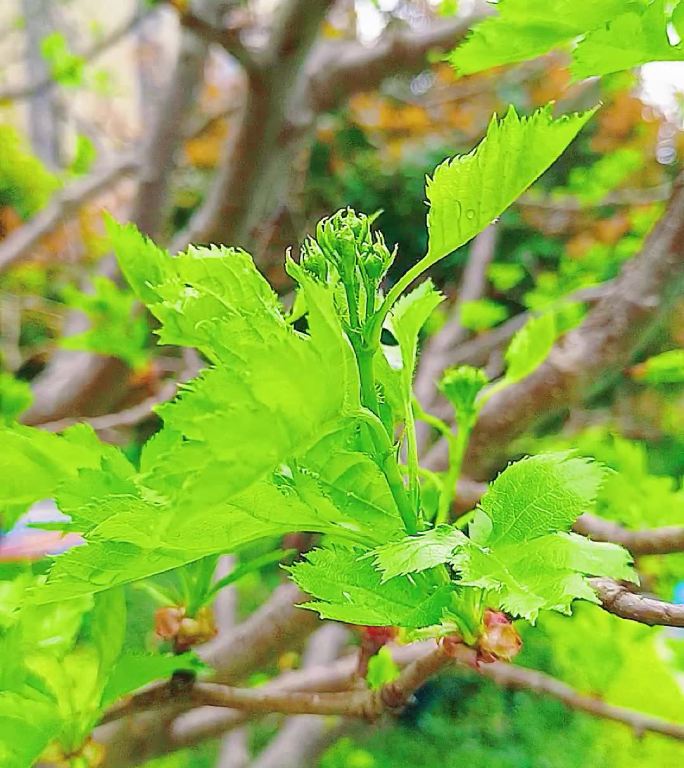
(500, 640)
(167, 621)
(171, 623)
(379, 635)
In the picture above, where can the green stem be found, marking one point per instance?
(396, 290)
(412, 457)
(364, 359)
(457, 448)
(434, 421)
(390, 468)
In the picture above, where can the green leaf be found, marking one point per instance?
(481, 314)
(135, 670)
(116, 327)
(382, 669)
(65, 67)
(628, 40)
(665, 368)
(611, 35)
(468, 192)
(538, 495)
(408, 316)
(15, 397)
(505, 276)
(530, 347)
(519, 548)
(678, 18)
(31, 716)
(264, 442)
(143, 263)
(33, 463)
(541, 573)
(417, 553)
(521, 31)
(349, 589)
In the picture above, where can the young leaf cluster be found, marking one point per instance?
(305, 421)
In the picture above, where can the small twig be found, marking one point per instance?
(571, 204)
(520, 678)
(88, 54)
(648, 541)
(629, 605)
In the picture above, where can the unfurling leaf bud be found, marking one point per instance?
(313, 260)
(171, 623)
(344, 238)
(500, 640)
(461, 386)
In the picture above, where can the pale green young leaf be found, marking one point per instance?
(665, 368)
(519, 547)
(348, 588)
(408, 316)
(536, 496)
(530, 347)
(413, 554)
(544, 573)
(143, 263)
(632, 38)
(34, 463)
(116, 328)
(15, 397)
(481, 314)
(468, 192)
(678, 19)
(31, 716)
(607, 35)
(521, 30)
(262, 443)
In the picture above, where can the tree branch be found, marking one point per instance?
(339, 69)
(20, 243)
(522, 679)
(261, 700)
(80, 382)
(88, 54)
(648, 541)
(300, 739)
(628, 605)
(275, 625)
